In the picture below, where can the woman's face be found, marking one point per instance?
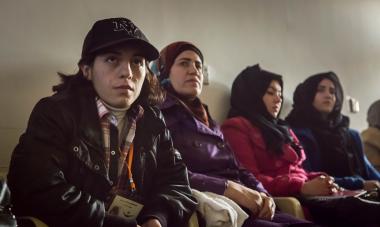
(325, 98)
(273, 98)
(117, 75)
(186, 74)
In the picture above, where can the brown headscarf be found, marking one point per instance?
(168, 55)
(164, 63)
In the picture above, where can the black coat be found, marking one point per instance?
(58, 173)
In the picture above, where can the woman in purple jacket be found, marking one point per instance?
(212, 166)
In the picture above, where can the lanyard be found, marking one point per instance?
(126, 172)
(130, 161)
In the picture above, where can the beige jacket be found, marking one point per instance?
(371, 141)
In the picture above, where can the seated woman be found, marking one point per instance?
(271, 151)
(330, 145)
(371, 135)
(212, 166)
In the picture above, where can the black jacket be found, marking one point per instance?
(58, 173)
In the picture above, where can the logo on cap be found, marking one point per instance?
(126, 26)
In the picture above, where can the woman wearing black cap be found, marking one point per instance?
(97, 153)
(330, 145)
(270, 150)
(212, 165)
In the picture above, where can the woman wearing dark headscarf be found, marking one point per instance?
(371, 136)
(211, 164)
(330, 145)
(262, 142)
(271, 151)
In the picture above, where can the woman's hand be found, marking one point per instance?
(322, 185)
(268, 208)
(152, 223)
(370, 185)
(245, 197)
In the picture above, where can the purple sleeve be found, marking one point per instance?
(250, 181)
(203, 182)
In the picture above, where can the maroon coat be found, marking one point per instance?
(280, 175)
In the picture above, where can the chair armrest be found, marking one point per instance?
(35, 221)
(193, 222)
(290, 205)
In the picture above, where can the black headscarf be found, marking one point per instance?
(247, 94)
(332, 133)
(304, 114)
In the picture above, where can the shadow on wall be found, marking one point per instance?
(20, 90)
(217, 97)
(286, 107)
(3, 172)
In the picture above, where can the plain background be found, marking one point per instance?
(295, 38)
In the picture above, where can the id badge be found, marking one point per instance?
(124, 207)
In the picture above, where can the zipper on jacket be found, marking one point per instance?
(143, 157)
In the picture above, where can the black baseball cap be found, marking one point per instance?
(108, 32)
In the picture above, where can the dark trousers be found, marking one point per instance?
(348, 211)
(279, 220)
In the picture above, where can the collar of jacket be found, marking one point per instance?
(89, 122)
(171, 101)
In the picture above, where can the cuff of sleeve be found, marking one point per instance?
(297, 186)
(116, 221)
(352, 183)
(160, 216)
(215, 185)
(312, 175)
(360, 183)
(260, 188)
(357, 183)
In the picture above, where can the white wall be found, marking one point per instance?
(295, 38)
